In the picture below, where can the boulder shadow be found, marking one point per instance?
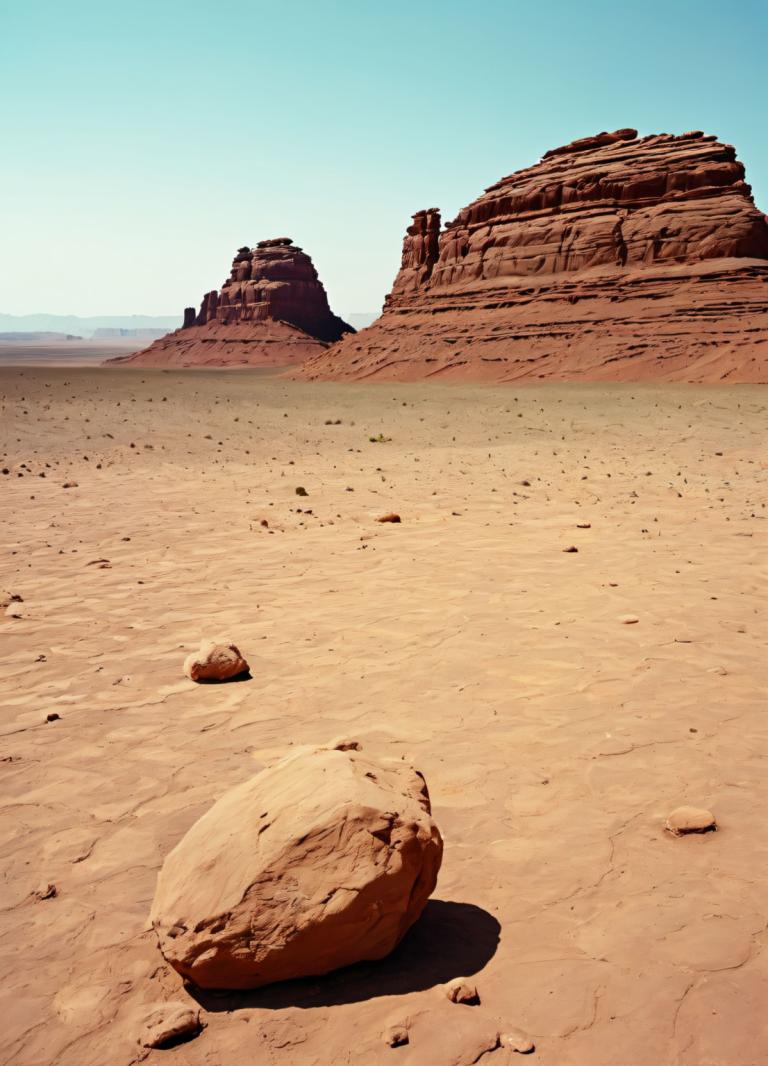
(449, 940)
(244, 675)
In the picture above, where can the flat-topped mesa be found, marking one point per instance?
(272, 310)
(613, 257)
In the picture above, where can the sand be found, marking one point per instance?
(555, 737)
(83, 352)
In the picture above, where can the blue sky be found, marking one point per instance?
(143, 142)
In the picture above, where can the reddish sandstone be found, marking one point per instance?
(613, 258)
(271, 311)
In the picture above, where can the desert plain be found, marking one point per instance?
(561, 703)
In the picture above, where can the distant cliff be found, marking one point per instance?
(271, 311)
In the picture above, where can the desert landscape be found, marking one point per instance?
(564, 632)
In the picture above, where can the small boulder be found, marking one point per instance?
(690, 820)
(169, 1022)
(396, 1035)
(391, 517)
(324, 859)
(517, 1040)
(629, 619)
(215, 661)
(460, 990)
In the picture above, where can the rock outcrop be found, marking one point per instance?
(272, 311)
(324, 859)
(613, 258)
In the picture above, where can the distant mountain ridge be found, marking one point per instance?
(118, 325)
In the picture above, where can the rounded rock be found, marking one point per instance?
(215, 661)
(690, 820)
(325, 859)
(168, 1022)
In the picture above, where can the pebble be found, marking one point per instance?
(395, 1035)
(690, 820)
(391, 517)
(167, 1022)
(462, 991)
(517, 1040)
(629, 619)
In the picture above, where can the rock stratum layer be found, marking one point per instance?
(271, 311)
(613, 258)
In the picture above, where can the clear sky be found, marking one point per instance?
(144, 141)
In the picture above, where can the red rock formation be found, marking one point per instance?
(613, 258)
(272, 311)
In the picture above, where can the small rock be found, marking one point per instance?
(301, 491)
(517, 1040)
(13, 610)
(52, 717)
(572, 548)
(395, 1035)
(215, 661)
(168, 1022)
(690, 820)
(70, 485)
(391, 517)
(462, 991)
(345, 744)
(583, 525)
(629, 619)
(46, 891)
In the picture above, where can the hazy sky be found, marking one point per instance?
(144, 141)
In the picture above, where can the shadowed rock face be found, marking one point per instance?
(614, 257)
(271, 311)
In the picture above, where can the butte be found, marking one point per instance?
(614, 258)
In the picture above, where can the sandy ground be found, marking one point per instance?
(555, 738)
(66, 353)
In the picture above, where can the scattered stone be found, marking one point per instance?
(52, 717)
(13, 610)
(70, 485)
(628, 619)
(583, 525)
(345, 744)
(517, 1040)
(460, 990)
(396, 1035)
(690, 820)
(215, 661)
(46, 891)
(168, 1023)
(391, 517)
(301, 491)
(322, 860)
(572, 548)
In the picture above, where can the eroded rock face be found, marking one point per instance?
(324, 859)
(614, 257)
(271, 311)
